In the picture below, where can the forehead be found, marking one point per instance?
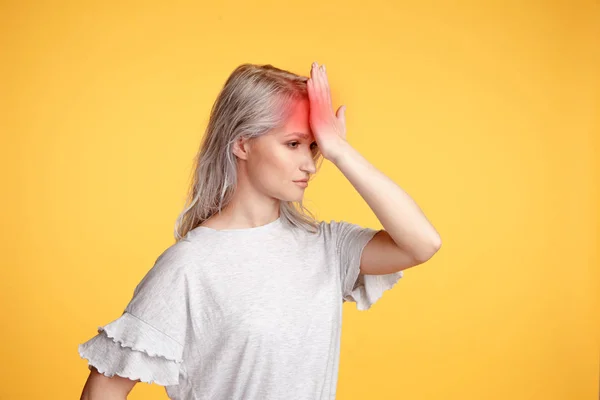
(299, 120)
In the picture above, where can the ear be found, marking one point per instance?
(241, 148)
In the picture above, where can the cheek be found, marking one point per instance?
(272, 170)
(279, 165)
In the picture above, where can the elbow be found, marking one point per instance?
(437, 244)
(429, 250)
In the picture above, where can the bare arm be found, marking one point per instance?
(402, 218)
(101, 387)
(410, 237)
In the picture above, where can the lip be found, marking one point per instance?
(301, 183)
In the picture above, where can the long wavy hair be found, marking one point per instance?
(254, 100)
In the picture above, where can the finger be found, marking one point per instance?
(313, 94)
(341, 114)
(317, 82)
(311, 83)
(313, 74)
(323, 84)
(327, 88)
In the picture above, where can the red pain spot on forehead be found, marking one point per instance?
(298, 123)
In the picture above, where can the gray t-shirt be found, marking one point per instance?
(250, 313)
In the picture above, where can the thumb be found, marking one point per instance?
(341, 114)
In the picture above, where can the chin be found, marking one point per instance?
(295, 194)
(292, 197)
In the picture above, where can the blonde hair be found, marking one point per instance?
(254, 100)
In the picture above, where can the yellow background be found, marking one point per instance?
(486, 113)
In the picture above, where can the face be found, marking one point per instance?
(274, 161)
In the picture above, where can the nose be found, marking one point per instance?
(308, 163)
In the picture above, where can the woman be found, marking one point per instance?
(247, 304)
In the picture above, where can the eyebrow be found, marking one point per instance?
(303, 135)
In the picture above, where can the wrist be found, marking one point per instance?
(340, 153)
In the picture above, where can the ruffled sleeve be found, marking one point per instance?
(363, 289)
(147, 341)
(131, 348)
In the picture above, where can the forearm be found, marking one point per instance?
(103, 395)
(400, 216)
(101, 387)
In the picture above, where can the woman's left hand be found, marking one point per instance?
(328, 129)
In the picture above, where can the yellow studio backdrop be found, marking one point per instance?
(486, 113)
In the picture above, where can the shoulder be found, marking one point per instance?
(160, 297)
(329, 230)
(168, 273)
(334, 228)
(327, 227)
(177, 257)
